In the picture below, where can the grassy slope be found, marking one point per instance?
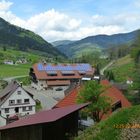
(105, 130)
(123, 68)
(16, 70)
(12, 70)
(14, 55)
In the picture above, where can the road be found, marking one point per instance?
(106, 67)
(9, 79)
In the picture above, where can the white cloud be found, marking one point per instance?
(53, 25)
(53, 20)
(4, 5)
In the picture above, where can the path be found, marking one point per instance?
(106, 67)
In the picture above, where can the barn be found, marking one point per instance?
(55, 124)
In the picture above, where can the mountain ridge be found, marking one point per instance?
(97, 42)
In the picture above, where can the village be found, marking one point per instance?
(55, 88)
(70, 70)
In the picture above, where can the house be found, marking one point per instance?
(15, 100)
(21, 61)
(118, 100)
(129, 81)
(48, 75)
(55, 124)
(9, 62)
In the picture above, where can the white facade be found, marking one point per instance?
(130, 82)
(86, 79)
(9, 62)
(20, 102)
(40, 85)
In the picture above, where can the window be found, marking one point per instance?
(26, 100)
(11, 102)
(116, 106)
(19, 92)
(24, 108)
(52, 74)
(19, 101)
(30, 108)
(6, 110)
(27, 108)
(68, 74)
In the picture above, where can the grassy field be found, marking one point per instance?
(123, 68)
(15, 55)
(112, 128)
(14, 70)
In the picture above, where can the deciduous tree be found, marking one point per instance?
(99, 104)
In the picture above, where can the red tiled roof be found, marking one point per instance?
(41, 74)
(115, 94)
(70, 99)
(45, 116)
(112, 92)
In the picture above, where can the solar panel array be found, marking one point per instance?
(77, 67)
(40, 67)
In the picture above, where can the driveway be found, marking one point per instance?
(9, 79)
(48, 98)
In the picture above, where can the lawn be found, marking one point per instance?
(14, 70)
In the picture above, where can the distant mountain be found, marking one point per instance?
(62, 42)
(96, 43)
(17, 38)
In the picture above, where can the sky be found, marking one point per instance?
(72, 19)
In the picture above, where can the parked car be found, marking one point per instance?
(59, 89)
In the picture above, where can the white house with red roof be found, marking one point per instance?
(15, 100)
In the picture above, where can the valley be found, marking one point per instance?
(86, 89)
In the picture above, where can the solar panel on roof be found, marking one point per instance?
(52, 72)
(40, 67)
(78, 67)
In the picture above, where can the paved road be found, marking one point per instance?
(9, 79)
(106, 67)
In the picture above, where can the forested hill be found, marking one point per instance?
(18, 38)
(96, 43)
